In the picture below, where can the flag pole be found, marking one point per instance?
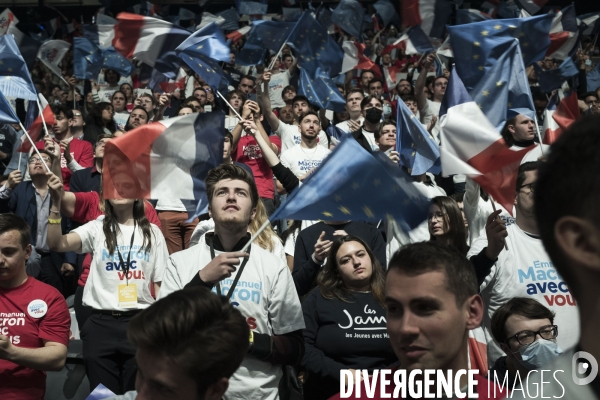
(230, 106)
(274, 60)
(33, 146)
(494, 208)
(537, 129)
(41, 115)
(254, 236)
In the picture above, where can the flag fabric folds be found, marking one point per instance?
(15, 80)
(472, 146)
(419, 152)
(150, 40)
(466, 16)
(114, 60)
(321, 91)
(231, 18)
(348, 15)
(480, 44)
(100, 34)
(354, 57)
(7, 18)
(363, 189)
(591, 23)
(170, 158)
(504, 91)
(387, 12)
(251, 7)
(557, 118)
(263, 36)
(416, 40)
(87, 59)
(209, 42)
(51, 54)
(554, 78)
(36, 129)
(7, 114)
(564, 34)
(531, 6)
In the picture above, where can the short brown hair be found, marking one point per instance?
(309, 112)
(229, 171)
(12, 222)
(523, 306)
(419, 258)
(200, 332)
(354, 90)
(385, 122)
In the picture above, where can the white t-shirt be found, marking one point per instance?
(431, 108)
(344, 125)
(265, 295)
(290, 243)
(525, 270)
(101, 290)
(276, 85)
(169, 205)
(121, 119)
(371, 139)
(300, 160)
(290, 136)
(231, 122)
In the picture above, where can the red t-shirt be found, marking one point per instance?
(81, 151)
(87, 208)
(495, 393)
(29, 314)
(248, 152)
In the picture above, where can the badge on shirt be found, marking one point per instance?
(127, 295)
(37, 308)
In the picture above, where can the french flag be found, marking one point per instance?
(150, 40)
(238, 34)
(165, 159)
(171, 85)
(431, 15)
(532, 6)
(36, 130)
(354, 57)
(416, 41)
(472, 146)
(102, 35)
(558, 117)
(564, 33)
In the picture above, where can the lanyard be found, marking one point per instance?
(237, 277)
(126, 265)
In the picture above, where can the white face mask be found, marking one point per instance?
(387, 110)
(540, 353)
(588, 63)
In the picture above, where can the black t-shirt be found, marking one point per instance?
(341, 335)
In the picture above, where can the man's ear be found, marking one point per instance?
(209, 212)
(217, 390)
(28, 250)
(474, 310)
(511, 128)
(579, 240)
(253, 213)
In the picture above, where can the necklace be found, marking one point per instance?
(310, 155)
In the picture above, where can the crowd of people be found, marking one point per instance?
(172, 308)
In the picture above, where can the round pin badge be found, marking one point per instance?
(37, 308)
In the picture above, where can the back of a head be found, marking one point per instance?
(199, 332)
(420, 258)
(568, 185)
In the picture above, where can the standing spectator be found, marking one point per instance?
(37, 339)
(354, 97)
(120, 113)
(372, 111)
(127, 90)
(351, 287)
(264, 294)
(429, 108)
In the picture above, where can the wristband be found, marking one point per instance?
(54, 221)
(251, 338)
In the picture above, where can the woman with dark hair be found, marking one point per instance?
(345, 318)
(102, 122)
(446, 223)
(127, 90)
(129, 255)
(121, 115)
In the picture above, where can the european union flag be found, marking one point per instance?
(554, 78)
(479, 45)
(316, 49)
(114, 60)
(15, 80)
(251, 7)
(387, 12)
(206, 68)
(7, 114)
(504, 91)
(321, 91)
(208, 41)
(335, 132)
(419, 152)
(366, 189)
(87, 59)
(231, 20)
(348, 15)
(262, 36)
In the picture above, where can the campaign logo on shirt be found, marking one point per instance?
(307, 165)
(363, 325)
(542, 278)
(244, 291)
(37, 308)
(252, 151)
(8, 320)
(138, 255)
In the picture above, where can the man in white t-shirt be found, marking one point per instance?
(263, 289)
(289, 133)
(522, 268)
(353, 98)
(429, 108)
(236, 98)
(304, 157)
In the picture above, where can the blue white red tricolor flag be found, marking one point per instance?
(166, 159)
(559, 115)
(37, 127)
(564, 33)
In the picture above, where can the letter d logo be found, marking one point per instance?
(579, 368)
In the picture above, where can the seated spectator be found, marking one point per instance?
(351, 286)
(173, 338)
(35, 329)
(525, 331)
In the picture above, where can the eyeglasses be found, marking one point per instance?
(547, 332)
(35, 160)
(438, 216)
(76, 115)
(529, 185)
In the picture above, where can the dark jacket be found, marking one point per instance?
(362, 140)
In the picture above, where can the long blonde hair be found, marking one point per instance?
(265, 239)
